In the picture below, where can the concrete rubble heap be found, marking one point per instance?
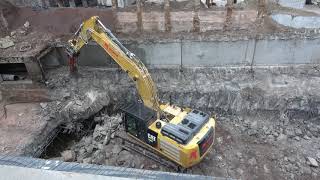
(102, 147)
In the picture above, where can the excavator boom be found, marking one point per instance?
(93, 29)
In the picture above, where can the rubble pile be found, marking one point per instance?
(316, 2)
(282, 130)
(293, 146)
(103, 148)
(15, 37)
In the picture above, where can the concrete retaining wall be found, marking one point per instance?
(211, 53)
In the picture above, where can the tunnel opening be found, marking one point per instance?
(13, 71)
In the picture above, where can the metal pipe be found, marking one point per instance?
(10, 77)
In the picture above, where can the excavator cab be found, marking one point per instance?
(137, 119)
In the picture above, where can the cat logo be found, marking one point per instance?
(151, 138)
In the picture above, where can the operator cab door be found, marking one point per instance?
(135, 126)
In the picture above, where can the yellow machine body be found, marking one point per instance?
(189, 154)
(184, 136)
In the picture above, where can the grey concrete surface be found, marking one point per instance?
(293, 21)
(268, 51)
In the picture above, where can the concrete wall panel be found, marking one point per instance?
(160, 53)
(214, 53)
(298, 51)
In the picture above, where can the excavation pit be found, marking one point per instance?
(260, 79)
(261, 121)
(263, 114)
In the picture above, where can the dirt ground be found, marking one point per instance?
(21, 126)
(251, 147)
(257, 146)
(248, 147)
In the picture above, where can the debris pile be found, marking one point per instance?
(103, 148)
(293, 146)
(6, 42)
(316, 2)
(17, 37)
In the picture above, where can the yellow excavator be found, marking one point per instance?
(182, 135)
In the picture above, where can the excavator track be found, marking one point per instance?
(130, 144)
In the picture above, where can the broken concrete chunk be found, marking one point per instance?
(125, 158)
(282, 137)
(116, 149)
(87, 160)
(99, 157)
(312, 162)
(25, 46)
(43, 105)
(78, 102)
(89, 149)
(107, 138)
(252, 132)
(66, 95)
(87, 140)
(6, 42)
(239, 171)
(154, 166)
(318, 155)
(298, 132)
(306, 137)
(26, 24)
(68, 155)
(254, 125)
(133, 164)
(82, 151)
(108, 155)
(252, 161)
(13, 33)
(97, 119)
(239, 155)
(47, 118)
(100, 146)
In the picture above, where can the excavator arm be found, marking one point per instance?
(93, 29)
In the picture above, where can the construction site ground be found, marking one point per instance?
(248, 145)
